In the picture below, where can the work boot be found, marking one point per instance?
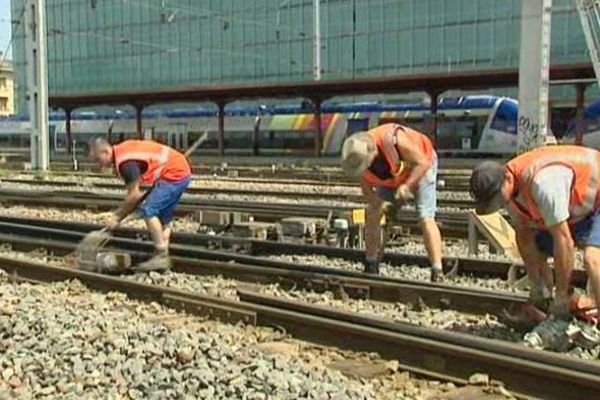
(437, 275)
(371, 267)
(161, 262)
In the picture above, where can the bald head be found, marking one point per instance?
(101, 152)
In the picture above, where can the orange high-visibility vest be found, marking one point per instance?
(163, 161)
(384, 138)
(585, 164)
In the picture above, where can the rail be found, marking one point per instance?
(445, 355)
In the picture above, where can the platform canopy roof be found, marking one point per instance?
(434, 84)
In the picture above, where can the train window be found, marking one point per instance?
(61, 140)
(26, 141)
(452, 130)
(192, 137)
(238, 139)
(418, 124)
(297, 140)
(357, 125)
(505, 119)
(592, 124)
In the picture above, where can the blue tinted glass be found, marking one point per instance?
(505, 118)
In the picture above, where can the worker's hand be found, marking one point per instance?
(112, 221)
(404, 193)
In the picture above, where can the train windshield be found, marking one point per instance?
(506, 116)
(591, 120)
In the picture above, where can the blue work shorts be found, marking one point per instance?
(162, 200)
(425, 198)
(585, 233)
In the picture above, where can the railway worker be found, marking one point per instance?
(552, 193)
(147, 162)
(395, 164)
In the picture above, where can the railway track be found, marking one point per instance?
(195, 259)
(451, 179)
(435, 353)
(319, 195)
(250, 251)
(452, 224)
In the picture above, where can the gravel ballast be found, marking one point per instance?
(61, 341)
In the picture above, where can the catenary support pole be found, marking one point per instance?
(534, 64)
(138, 121)
(317, 40)
(580, 106)
(318, 127)
(37, 82)
(433, 109)
(68, 112)
(221, 138)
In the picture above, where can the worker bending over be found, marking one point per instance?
(552, 194)
(395, 164)
(147, 162)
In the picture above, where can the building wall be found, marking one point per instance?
(114, 45)
(7, 94)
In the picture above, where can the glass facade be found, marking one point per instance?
(116, 45)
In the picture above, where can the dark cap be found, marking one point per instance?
(486, 181)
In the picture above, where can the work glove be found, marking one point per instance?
(371, 266)
(403, 193)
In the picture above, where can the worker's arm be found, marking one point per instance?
(564, 258)
(551, 191)
(535, 261)
(131, 172)
(415, 158)
(132, 199)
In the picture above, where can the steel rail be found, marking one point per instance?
(349, 197)
(253, 247)
(196, 261)
(435, 352)
(451, 224)
(529, 372)
(226, 175)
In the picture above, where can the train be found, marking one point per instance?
(590, 127)
(468, 125)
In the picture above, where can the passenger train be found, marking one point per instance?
(471, 124)
(590, 127)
